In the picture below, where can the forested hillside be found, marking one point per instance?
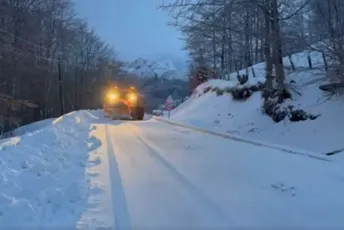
(230, 35)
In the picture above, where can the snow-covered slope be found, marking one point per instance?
(223, 114)
(146, 69)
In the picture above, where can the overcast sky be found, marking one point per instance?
(135, 27)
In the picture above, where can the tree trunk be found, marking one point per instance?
(267, 47)
(277, 46)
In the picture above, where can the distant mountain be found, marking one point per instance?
(179, 61)
(156, 69)
(157, 80)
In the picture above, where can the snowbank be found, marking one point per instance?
(223, 114)
(35, 126)
(32, 127)
(42, 174)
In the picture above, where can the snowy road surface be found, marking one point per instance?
(151, 175)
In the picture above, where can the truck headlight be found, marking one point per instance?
(132, 97)
(112, 96)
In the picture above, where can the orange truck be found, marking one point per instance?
(122, 103)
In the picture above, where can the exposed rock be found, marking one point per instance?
(278, 112)
(241, 93)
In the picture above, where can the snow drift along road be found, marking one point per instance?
(42, 175)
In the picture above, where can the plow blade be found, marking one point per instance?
(118, 111)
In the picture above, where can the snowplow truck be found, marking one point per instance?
(123, 103)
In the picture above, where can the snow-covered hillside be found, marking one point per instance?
(147, 69)
(223, 114)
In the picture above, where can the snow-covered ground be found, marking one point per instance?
(42, 174)
(82, 171)
(222, 114)
(32, 127)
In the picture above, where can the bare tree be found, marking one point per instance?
(235, 34)
(325, 25)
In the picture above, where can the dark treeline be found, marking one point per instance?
(51, 62)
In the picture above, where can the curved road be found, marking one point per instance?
(157, 176)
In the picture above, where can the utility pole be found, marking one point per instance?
(60, 86)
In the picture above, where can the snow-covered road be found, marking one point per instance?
(151, 175)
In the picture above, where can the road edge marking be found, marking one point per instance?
(244, 140)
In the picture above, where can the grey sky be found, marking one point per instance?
(135, 27)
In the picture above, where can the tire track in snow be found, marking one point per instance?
(216, 211)
(120, 209)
